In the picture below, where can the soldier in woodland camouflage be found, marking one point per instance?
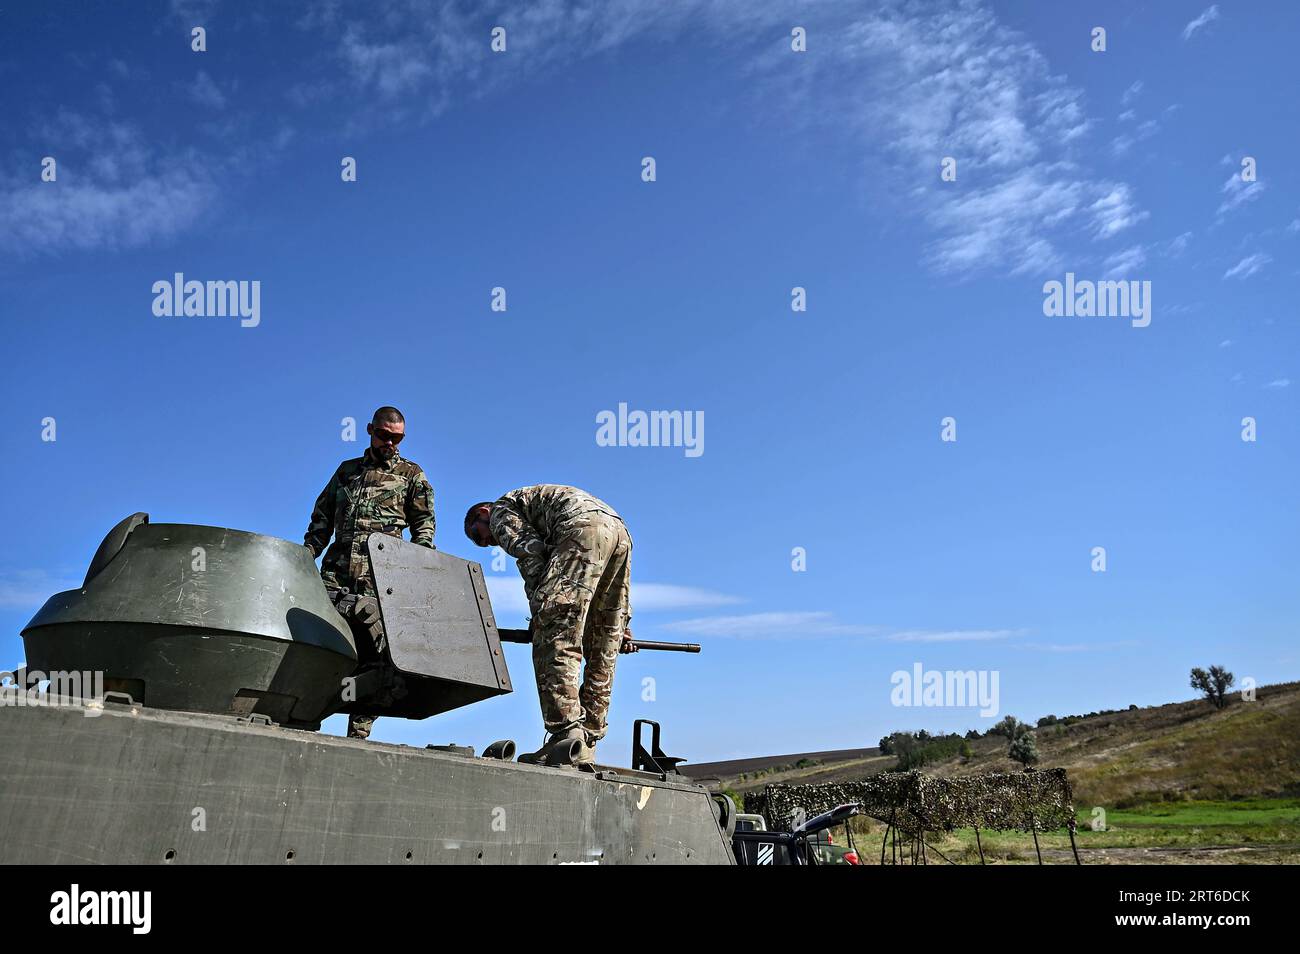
(379, 491)
(574, 554)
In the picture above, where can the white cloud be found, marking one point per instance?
(1239, 192)
(1121, 144)
(1248, 266)
(1000, 112)
(89, 215)
(1178, 245)
(507, 593)
(1279, 383)
(797, 625)
(770, 626)
(114, 190)
(394, 69)
(906, 85)
(1131, 93)
(1115, 212)
(1124, 263)
(952, 635)
(1225, 343)
(1211, 14)
(649, 597)
(205, 92)
(29, 589)
(1075, 647)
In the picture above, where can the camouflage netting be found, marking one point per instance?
(917, 802)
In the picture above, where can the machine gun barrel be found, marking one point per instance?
(524, 636)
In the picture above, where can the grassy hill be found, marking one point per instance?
(1175, 752)
(1182, 782)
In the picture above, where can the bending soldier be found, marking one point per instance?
(574, 554)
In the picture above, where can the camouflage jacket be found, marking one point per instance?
(368, 494)
(528, 522)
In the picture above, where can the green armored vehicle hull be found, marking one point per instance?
(187, 677)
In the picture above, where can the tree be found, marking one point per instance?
(1024, 750)
(1010, 727)
(1215, 684)
(908, 751)
(887, 745)
(965, 749)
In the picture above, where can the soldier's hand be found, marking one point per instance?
(628, 646)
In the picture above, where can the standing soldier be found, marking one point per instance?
(574, 555)
(379, 491)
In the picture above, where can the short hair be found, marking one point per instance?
(470, 515)
(388, 415)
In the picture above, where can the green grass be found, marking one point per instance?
(1268, 812)
(1265, 830)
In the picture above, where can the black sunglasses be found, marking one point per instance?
(472, 528)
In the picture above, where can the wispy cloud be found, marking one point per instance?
(114, 189)
(952, 635)
(29, 589)
(1131, 93)
(792, 625)
(902, 82)
(906, 83)
(815, 625)
(1208, 16)
(1121, 145)
(1248, 266)
(1125, 262)
(1177, 245)
(507, 593)
(204, 91)
(1279, 383)
(1078, 647)
(1238, 192)
(1003, 114)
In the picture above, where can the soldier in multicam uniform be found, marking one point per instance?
(574, 554)
(379, 491)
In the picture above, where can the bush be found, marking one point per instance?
(1010, 728)
(1024, 749)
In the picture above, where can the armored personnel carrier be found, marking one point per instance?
(187, 679)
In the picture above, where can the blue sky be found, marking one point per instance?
(775, 169)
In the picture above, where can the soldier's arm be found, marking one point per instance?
(419, 511)
(321, 527)
(517, 537)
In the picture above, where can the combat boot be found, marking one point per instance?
(587, 754)
(359, 726)
(559, 750)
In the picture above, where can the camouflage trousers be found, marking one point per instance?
(359, 726)
(580, 613)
